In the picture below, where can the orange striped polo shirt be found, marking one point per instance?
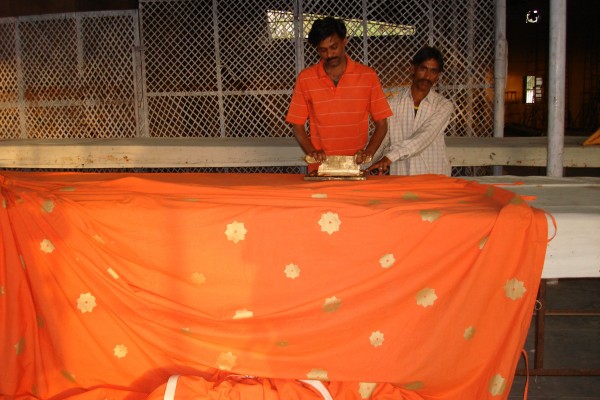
(338, 115)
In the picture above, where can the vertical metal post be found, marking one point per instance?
(84, 101)
(540, 324)
(365, 36)
(430, 35)
(500, 70)
(79, 44)
(219, 66)
(556, 87)
(299, 33)
(139, 75)
(20, 81)
(469, 109)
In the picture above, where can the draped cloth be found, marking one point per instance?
(391, 288)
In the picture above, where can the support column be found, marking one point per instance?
(500, 70)
(556, 87)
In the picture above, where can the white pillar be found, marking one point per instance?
(500, 69)
(556, 87)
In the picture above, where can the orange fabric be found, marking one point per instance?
(111, 283)
(338, 115)
(237, 387)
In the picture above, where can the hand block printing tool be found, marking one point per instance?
(338, 168)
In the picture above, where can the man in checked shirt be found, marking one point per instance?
(416, 132)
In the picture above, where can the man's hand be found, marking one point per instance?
(317, 155)
(362, 156)
(380, 166)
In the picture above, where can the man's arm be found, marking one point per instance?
(366, 155)
(381, 128)
(305, 143)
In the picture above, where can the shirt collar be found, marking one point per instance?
(428, 98)
(350, 65)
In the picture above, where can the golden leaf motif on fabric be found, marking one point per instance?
(319, 195)
(376, 339)
(292, 271)
(469, 333)
(198, 278)
(86, 302)
(410, 196)
(67, 189)
(41, 322)
(514, 289)
(330, 222)
(282, 343)
(112, 273)
(374, 202)
(365, 389)
(482, 242)
(120, 351)
(430, 215)
(226, 361)
(98, 239)
(387, 260)
(3, 203)
(243, 314)
(2, 292)
(332, 304)
(318, 374)
(517, 200)
(490, 191)
(48, 206)
(236, 231)
(46, 246)
(186, 330)
(426, 297)
(68, 375)
(497, 385)
(20, 346)
(414, 385)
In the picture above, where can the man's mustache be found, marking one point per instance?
(332, 59)
(425, 80)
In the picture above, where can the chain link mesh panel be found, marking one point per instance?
(68, 76)
(213, 70)
(9, 98)
(235, 62)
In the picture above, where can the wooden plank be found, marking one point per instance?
(150, 153)
(248, 152)
(520, 151)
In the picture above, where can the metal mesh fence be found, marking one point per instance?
(227, 69)
(68, 76)
(200, 68)
(9, 88)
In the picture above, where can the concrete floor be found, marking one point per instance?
(571, 341)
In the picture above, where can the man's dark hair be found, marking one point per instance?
(427, 53)
(322, 28)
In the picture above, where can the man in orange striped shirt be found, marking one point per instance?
(337, 95)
